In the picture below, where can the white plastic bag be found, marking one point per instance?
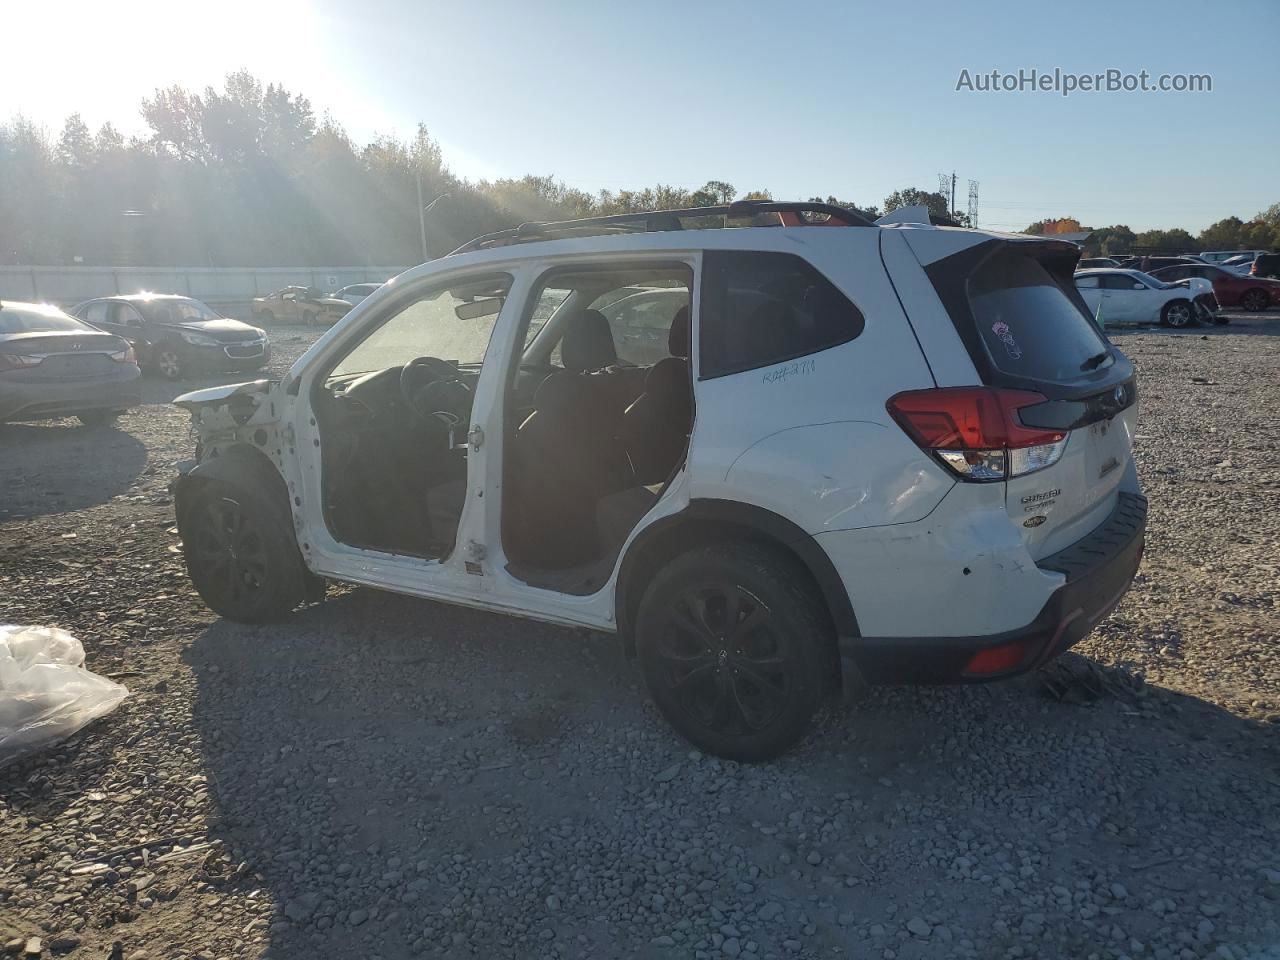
(46, 694)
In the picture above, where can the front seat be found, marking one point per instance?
(655, 427)
(587, 344)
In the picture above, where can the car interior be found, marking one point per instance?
(599, 416)
(393, 416)
(599, 412)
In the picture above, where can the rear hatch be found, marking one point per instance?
(1059, 381)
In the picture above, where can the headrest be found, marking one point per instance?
(679, 341)
(588, 343)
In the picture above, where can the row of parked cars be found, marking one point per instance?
(1255, 289)
(86, 361)
(1178, 291)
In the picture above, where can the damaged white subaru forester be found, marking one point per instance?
(800, 452)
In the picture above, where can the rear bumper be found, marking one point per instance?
(42, 399)
(1098, 571)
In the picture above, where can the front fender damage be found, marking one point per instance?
(242, 413)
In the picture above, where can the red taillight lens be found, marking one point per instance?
(125, 356)
(973, 429)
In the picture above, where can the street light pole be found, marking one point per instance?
(422, 216)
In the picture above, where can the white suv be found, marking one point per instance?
(897, 453)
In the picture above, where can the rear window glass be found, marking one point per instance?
(38, 321)
(1029, 325)
(760, 309)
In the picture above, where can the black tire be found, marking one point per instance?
(98, 418)
(241, 552)
(1178, 314)
(1255, 300)
(308, 318)
(261, 317)
(747, 694)
(167, 362)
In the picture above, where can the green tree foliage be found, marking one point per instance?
(1112, 241)
(1176, 239)
(247, 174)
(936, 202)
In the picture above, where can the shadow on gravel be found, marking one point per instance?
(373, 732)
(384, 765)
(59, 466)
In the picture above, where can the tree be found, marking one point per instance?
(1115, 240)
(1051, 227)
(936, 202)
(1175, 241)
(713, 193)
(75, 145)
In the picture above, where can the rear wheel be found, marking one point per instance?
(98, 418)
(734, 644)
(1178, 313)
(308, 318)
(167, 363)
(241, 553)
(1255, 300)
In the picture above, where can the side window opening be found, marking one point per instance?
(594, 435)
(762, 308)
(394, 412)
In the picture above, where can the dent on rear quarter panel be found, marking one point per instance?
(840, 476)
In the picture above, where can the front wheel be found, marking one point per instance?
(1178, 313)
(735, 645)
(241, 553)
(168, 364)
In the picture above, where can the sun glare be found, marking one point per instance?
(100, 59)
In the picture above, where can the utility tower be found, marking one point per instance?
(973, 203)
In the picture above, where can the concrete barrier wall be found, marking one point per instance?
(226, 287)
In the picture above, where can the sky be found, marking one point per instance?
(855, 99)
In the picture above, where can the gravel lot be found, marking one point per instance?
(386, 777)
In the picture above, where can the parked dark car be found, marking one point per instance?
(299, 305)
(1266, 265)
(177, 336)
(1093, 263)
(1147, 264)
(1231, 289)
(53, 365)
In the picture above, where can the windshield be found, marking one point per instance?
(1153, 281)
(451, 325)
(175, 311)
(36, 320)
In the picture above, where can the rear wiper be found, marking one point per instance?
(1097, 360)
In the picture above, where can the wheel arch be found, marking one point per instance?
(709, 520)
(240, 464)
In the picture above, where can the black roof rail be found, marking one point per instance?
(653, 221)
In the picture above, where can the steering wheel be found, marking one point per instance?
(433, 390)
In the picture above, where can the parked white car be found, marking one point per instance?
(1131, 296)
(1218, 257)
(889, 453)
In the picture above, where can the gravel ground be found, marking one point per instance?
(386, 777)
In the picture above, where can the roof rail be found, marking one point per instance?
(790, 214)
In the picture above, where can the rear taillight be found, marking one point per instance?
(975, 431)
(125, 356)
(17, 361)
